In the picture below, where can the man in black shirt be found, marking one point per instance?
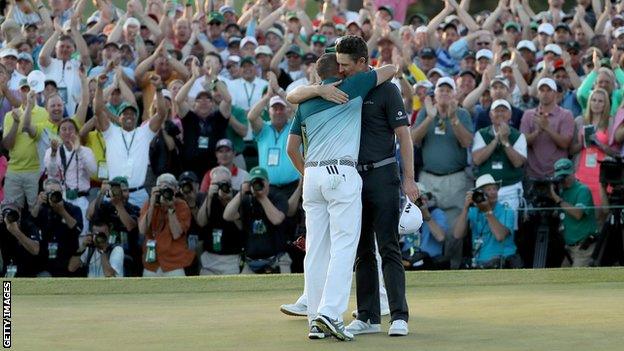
(19, 242)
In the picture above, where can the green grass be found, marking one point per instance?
(471, 310)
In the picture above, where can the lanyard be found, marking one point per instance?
(249, 96)
(66, 164)
(128, 147)
(277, 134)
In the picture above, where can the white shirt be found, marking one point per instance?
(241, 177)
(245, 94)
(127, 153)
(80, 167)
(15, 80)
(67, 78)
(520, 145)
(198, 86)
(116, 260)
(299, 82)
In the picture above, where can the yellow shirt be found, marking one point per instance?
(419, 75)
(24, 156)
(95, 141)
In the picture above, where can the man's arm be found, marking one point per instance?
(156, 122)
(274, 215)
(498, 229)
(407, 162)
(328, 92)
(293, 148)
(385, 73)
(81, 111)
(103, 122)
(45, 55)
(483, 154)
(108, 270)
(256, 111)
(231, 212)
(30, 245)
(81, 45)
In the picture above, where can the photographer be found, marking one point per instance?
(222, 240)
(225, 157)
(491, 226)
(61, 224)
(578, 215)
(164, 222)
(261, 213)
(189, 186)
(95, 252)
(20, 242)
(428, 245)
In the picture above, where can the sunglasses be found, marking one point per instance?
(214, 23)
(483, 43)
(318, 38)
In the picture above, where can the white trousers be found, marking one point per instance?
(333, 205)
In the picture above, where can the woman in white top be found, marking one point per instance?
(72, 164)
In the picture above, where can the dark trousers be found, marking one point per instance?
(380, 219)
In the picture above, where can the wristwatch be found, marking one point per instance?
(171, 210)
(506, 144)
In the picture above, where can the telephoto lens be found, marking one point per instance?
(186, 187)
(167, 194)
(55, 197)
(478, 196)
(257, 184)
(225, 187)
(10, 215)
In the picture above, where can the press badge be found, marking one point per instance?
(497, 165)
(102, 170)
(202, 142)
(274, 156)
(440, 128)
(591, 160)
(52, 248)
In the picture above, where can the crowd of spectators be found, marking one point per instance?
(150, 140)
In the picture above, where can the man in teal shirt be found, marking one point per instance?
(578, 214)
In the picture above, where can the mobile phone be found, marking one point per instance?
(588, 131)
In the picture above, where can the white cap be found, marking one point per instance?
(167, 94)
(6, 52)
(394, 25)
(423, 83)
(436, 70)
(485, 53)
(500, 79)
(274, 31)
(234, 58)
(248, 39)
(411, 219)
(526, 44)
(354, 21)
(263, 50)
(131, 21)
(617, 32)
(451, 18)
(485, 179)
(506, 64)
(36, 81)
(546, 28)
(277, 100)
(446, 80)
(501, 102)
(540, 66)
(554, 48)
(422, 29)
(547, 81)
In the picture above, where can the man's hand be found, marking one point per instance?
(468, 200)
(58, 207)
(155, 80)
(484, 206)
(431, 110)
(542, 121)
(553, 194)
(17, 115)
(31, 99)
(213, 189)
(54, 145)
(410, 189)
(424, 208)
(154, 195)
(262, 193)
(102, 79)
(42, 198)
(503, 132)
(86, 242)
(331, 93)
(12, 227)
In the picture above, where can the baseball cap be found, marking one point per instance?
(24, 56)
(248, 59)
(500, 79)
(166, 178)
(501, 102)
(446, 81)
(469, 54)
(506, 64)
(546, 28)
(423, 83)
(354, 21)
(437, 71)
(6, 52)
(120, 180)
(427, 52)
(469, 72)
(549, 82)
(225, 9)
(563, 167)
(484, 180)
(526, 44)
(124, 106)
(485, 53)
(294, 49)
(554, 48)
(512, 24)
(188, 176)
(234, 40)
(234, 58)
(277, 100)
(263, 50)
(275, 31)
(563, 26)
(422, 29)
(258, 173)
(131, 21)
(309, 58)
(23, 83)
(573, 46)
(618, 31)
(215, 16)
(248, 39)
(111, 43)
(291, 15)
(411, 219)
(224, 143)
(318, 38)
(36, 80)
(387, 8)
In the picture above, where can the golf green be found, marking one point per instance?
(565, 309)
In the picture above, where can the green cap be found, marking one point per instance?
(23, 83)
(290, 15)
(563, 167)
(126, 105)
(330, 49)
(534, 26)
(388, 8)
(258, 173)
(512, 24)
(248, 59)
(294, 49)
(216, 17)
(120, 180)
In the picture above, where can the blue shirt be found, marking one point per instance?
(272, 154)
(490, 247)
(428, 242)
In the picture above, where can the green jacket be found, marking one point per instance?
(587, 86)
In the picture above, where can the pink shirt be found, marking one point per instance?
(543, 153)
(79, 169)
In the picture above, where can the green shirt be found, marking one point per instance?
(574, 231)
(586, 87)
(237, 141)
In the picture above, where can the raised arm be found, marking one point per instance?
(181, 102)
(45, 55)
(155, 122)
(98, 103)
(81, 45)
(279, 55)
(81, 111)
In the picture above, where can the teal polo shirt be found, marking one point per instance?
(481, 232)
(574, 231)
(272, 154)
(332, 131)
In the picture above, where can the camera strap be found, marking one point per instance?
(66, 163)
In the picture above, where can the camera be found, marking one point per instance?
(167, 193)
(225, 187)
(612, 171)
(186, 187)
(55, 197)
(539, 195)
(257, 184)
(10, 215)
(171, 128)
(115, 189)
(99, 239)
(478, 196)
(419, 202)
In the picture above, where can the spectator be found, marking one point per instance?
(261, 213)
(444, 132)
(96, 254)
(165, 147)
(165, 221)
(223, 240)
(20, 242)
(225, 158)
(501, 151)
(189, 192)
(491, 225)
(499, 90)
(578, 217)
(8, 58)
(604, 78)
(60, 223)
(247, 90)
(548, 130)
